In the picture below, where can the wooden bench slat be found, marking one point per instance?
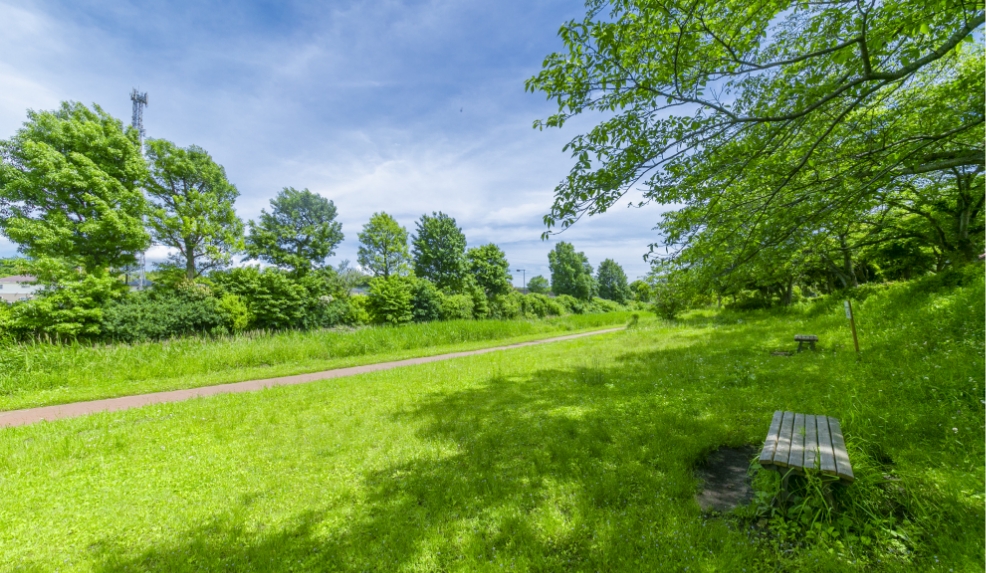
(843, 468)
(797, 455)
(784, 439)
(770, 444)
(826, 457)
(811, 442)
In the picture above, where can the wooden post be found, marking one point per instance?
(852, 325)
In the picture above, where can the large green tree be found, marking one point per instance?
(762, 119)
(490, 269)
(383, 246)
(192, 207)
(70, 188)
(439, 248)
(299, 233)
(571, 272)
(612, 282)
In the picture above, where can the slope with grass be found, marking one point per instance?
(34, 375)
(576, 456)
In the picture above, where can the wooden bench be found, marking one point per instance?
(811, 339)
(800, 441)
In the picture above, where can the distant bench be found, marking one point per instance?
(799, 441)
(811, 339)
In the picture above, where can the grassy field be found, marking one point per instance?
(575, 456)
(44, 374)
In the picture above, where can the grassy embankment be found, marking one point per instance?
(44, 374)
(576, 456)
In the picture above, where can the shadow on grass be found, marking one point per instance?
(587, 468)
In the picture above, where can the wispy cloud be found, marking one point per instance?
(404, 107)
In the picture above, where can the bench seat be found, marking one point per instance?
(799, 441)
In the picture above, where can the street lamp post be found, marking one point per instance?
(524, 274)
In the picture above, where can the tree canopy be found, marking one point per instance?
(70, 187)
(766, 124)
(571, 272)
(612, 282)
(439, 248)
(490, 269)
(383, 246)
(538, 285)
(299, 233)
(192, 207)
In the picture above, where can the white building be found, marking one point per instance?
(17, 288)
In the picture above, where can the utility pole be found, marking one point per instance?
(524, 283)
(137, 121)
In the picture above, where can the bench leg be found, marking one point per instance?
(801, 343)
(812, 345)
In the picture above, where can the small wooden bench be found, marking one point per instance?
(811, 339)
(799, 441)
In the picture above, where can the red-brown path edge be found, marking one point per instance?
(50, 413)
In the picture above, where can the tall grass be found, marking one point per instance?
(36, 374)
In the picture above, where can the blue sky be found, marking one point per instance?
(404, 107)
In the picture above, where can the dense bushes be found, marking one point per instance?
(99, 307)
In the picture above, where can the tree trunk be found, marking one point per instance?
(189, 261)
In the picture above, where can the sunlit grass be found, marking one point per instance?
(43, 374)
(575, 456)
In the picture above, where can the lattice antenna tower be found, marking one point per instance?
(140, 100)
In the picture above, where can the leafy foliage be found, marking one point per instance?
(612, 282)
(299, 233)
(457, 307)
(157, 315)
(69, 187)
(538, 285)
(778, 131)
(426, 301)
(383, 246)
(192, 207)
(390, 300)
(571, 273)
(69, 308)
(490, 269)
(439, 252)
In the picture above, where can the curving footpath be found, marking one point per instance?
(49, 413)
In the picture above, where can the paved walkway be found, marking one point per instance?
(31, 415)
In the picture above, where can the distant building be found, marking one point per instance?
(17, 288)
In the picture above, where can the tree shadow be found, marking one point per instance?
(588, 467)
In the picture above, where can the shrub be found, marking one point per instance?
(73, 309)
(570, 304)
(602, 305)
(540, 306)
(480, 303)
(508, 306)
(389, 301)
(236, 315)
(274, 300)
(426, 301)
(159, 314)
(356, 313)
(456, 307)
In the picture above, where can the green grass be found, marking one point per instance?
(34, 375)
(575, 456)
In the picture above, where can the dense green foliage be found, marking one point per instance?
(489, 269)
(818, 145)
(390, 299)
(158, 315)
(439, 249)
(69, 187)
(383, 246)
(612, 282)
(571, 273)
(192, 207)
(299, 233)
(566, 457)
(538, 285)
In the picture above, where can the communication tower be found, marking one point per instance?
(139, 100)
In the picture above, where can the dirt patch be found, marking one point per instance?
(781, 353)
(725, 481)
